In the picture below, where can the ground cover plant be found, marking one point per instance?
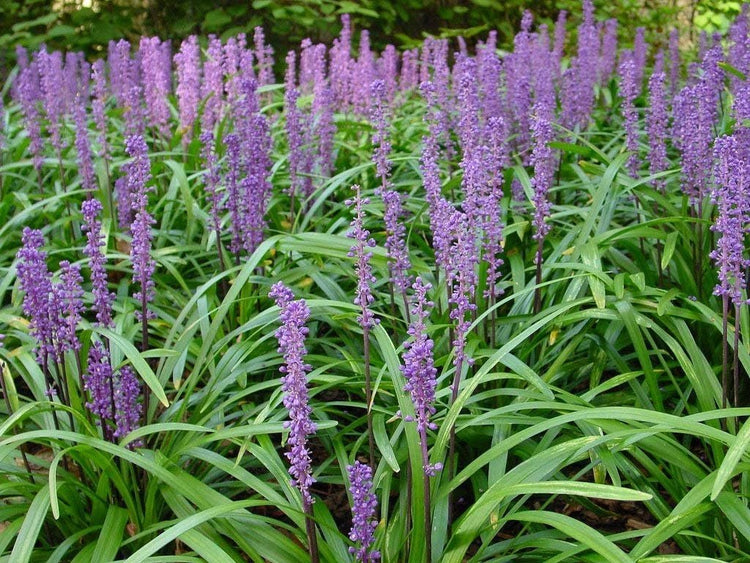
(457, 303)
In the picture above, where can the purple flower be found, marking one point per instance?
(364, 508)
(409, 78)
(342, 65)
(70, 296)
(441, 211)
(36, 283)
(99, 382)
(28, 93)
(558, 46)
(255, 160)
(697, 106)
(380, 117)
(463, 280)
(657, 120)
(579, 80)
(640, 53)
(83, 147)
(364, 73)
(51, 74)
(322, 114)
(418, 368)
(730, 195)
(359, 251)
(188, 62)
(123, 72)
(388, 70)
(674, 62)
(127, 406)
(739, 47)
(291, 338)
(629, 89)
(231, 180)
(399, 262)
(103, 298)
(157, 81)
(212, 87)
(138, 174)
(292, 124)
(518, 84)
(97, 105)
(212, 179)
(608, 53)
(490, 70)
(543, 156)
(264, 56)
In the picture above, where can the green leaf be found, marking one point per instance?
(734, 455)
(110, 538)
(140, 365)
(669, 248)
(32, 524)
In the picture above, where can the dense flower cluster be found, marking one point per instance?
(291, 337)
(364, 508)
(359, 250)
(732, 174)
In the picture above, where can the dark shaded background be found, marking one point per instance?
(89, 25)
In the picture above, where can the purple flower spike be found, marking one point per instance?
(138, 174)
(464, 280)
(419, 369)
(99, 382)
(97, 105)
(156, 69)
(674, 62)
(212, 179)
(36, 283)
(342, 65)
(28, 93)
(360, 251)
(608, 54)
(292, 125)
(657, 121)
(212, 88)
(543, 156)
(103, 298)
(128, 407)
(291, 338)
(71, 304)
(264, 56)
(51, 73)
(83, 146)
(731, 172)
(188, 62)
(630, 88)
(364, 507)
(579, 80)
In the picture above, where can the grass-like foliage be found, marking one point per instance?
(493, 301)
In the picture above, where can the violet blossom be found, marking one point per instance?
(364, 508)
(291, 338)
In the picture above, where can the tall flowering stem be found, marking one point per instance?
(211, 182)
(38, 304)
(463, 280)
(291, 338)
(731, 173)
(364, 507)
(421, 381)
(293, 128)
(395, 244)
(544, 161)
(137, 176)
(364, 297)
